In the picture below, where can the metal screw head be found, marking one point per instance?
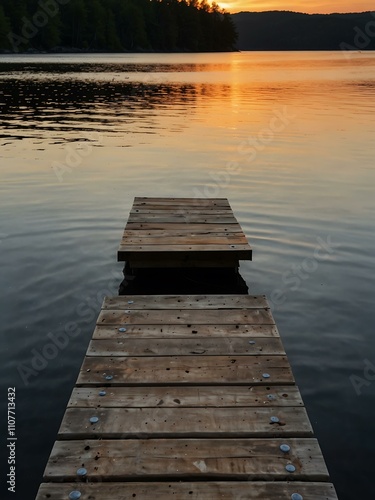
(296, 496)
(266, 375)
(285, 448)
(102, 393)
(82, 472)
(122, 329)
(290, 468)
(109, 377)
(74, 495)
(94, 420)
(271, 397)
(251, 342)
(274, 420)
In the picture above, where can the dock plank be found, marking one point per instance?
(186, 370)
(184, 202)
(185, 396)
(186, 302)
(193, 395)
(180, 458)
(187, 228)
(195, 346)
(172, 216)
(125, 423)
(191, 239)
(183, 331)
(185, 317)
(228, 490)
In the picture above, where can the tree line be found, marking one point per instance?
(296, 31)
(115, 25)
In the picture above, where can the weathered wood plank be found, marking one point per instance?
(196, 346)
(174, 233)
(183, 219)
(173, 459)
(186, 302)
(183, 202)
(223, 248)
(227, 239)
(190, 228)
(163, 209)
(228, 490)
(125, 423)
(173, 331)
(186, 316)
(186, 370)
(182, 397)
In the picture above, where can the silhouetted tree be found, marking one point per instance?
(118, 25)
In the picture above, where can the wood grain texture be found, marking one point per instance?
(184, 219)
(214, 490)
(216, 248)
(198, 234)
(186, 370)
(164, 209)
(186, 399)
(186, 317)
(191, 202)
(185, 396)
(189, 239)
(196, 346)
(127, 423)
(185, 331)
(186, 302)
(173, 459)
(187, 228)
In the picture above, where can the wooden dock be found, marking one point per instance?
(183, 232)
(185, 397)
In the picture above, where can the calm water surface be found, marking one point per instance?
(289, 138)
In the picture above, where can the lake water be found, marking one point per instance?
(288, 138)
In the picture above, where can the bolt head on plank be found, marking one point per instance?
(74, 495)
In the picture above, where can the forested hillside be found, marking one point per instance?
(296, 31)
(115, 25)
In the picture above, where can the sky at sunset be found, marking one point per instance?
(312, 6)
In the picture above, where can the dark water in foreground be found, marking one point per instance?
(287, 137)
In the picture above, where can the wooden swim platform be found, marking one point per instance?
(186, 397)
(183, 232)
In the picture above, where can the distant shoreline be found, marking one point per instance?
(102, 52)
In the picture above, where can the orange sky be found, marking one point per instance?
(310, 6)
